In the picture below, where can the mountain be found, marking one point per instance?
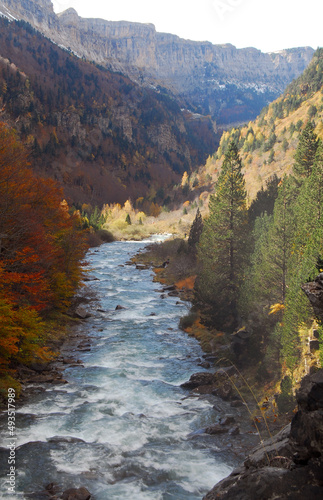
(267, 145)
(229, 84)
(102, 136)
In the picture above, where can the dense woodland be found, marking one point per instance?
(253, 258)
(42, 247)
(251, 270)
(103, 137)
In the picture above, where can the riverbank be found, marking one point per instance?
(239, 383)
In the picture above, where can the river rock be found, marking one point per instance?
(142, 267)
(234, 431)
(40, 367)
(82, 313)
(227, 420)
(199, 379)
(119, 308)
(205, 364)
(50, 378)
(237, 403)
(76, 494)
(216, 429)
(169, 288)
(224, 391)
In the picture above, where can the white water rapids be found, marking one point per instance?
(122, 427)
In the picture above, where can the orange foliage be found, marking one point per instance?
(187, 283)
(41, 249)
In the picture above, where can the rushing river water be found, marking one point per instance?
(122, 426)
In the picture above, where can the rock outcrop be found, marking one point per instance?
(227, 83)
(288, 466)
(314, 292)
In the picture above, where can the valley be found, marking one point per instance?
(161, 220)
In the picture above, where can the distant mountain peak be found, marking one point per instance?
(217, 80)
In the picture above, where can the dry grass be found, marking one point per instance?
(177, 222)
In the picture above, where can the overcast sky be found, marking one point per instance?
(268, 25)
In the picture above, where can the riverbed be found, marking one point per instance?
(122, 426)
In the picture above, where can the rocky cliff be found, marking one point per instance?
(288, 466)
(227, 83)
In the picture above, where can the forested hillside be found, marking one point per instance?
(253, 259)
(267, 145)
(104, 138)
(42, 247)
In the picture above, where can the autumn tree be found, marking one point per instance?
(42, 248)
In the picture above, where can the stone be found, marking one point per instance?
(234, 431)
(76, 494)
(289, 465)
(237, 403)
(82, 313)
(216, 429)
(69, 361)
(224, 391)
(199, 379)
(119, 308)
(316, 334)
(142, 267)
(227, 420)
(205, 364)
(314, 345)
(314, 292)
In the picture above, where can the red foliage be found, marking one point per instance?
(41, 252)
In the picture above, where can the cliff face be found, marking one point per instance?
(228, 83)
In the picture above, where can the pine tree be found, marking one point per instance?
(223, 246)
(306, 152)
(280, 239)
(195, 232)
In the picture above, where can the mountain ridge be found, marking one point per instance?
(227, 83)
(103, 137)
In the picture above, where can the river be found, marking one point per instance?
(122, 427)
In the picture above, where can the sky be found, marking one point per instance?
(268, 25)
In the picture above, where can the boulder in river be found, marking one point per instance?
(76, 494)
(82, 313)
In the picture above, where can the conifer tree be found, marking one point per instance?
(280, 238)
(195, 232)
(306, 152)
(223, 246)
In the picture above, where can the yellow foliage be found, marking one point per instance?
(184, 179)
(128, 206)
(275, 308)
